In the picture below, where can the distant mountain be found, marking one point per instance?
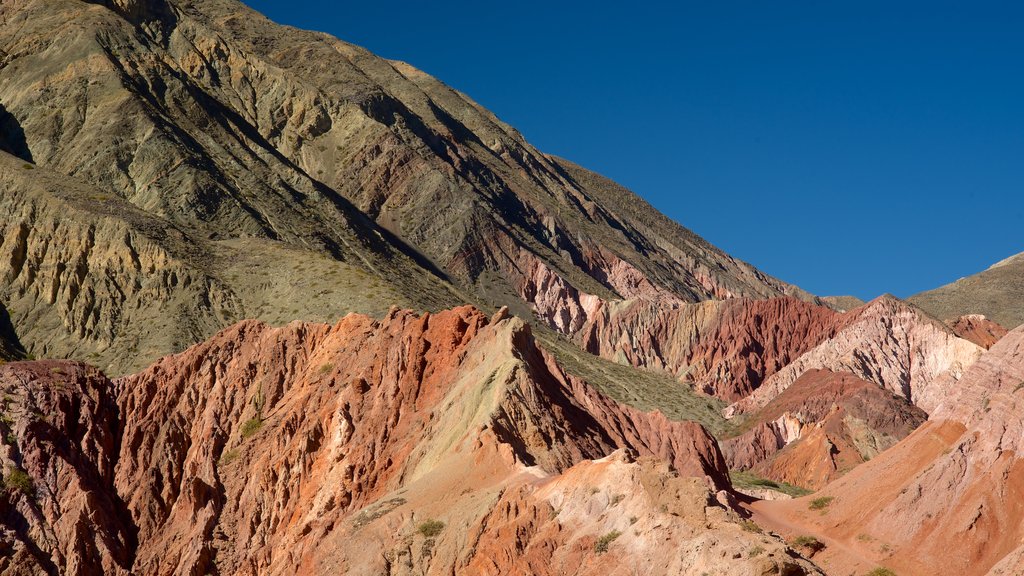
(997, 293)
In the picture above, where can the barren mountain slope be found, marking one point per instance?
(997, 293)
(331, 449)
(821, 427)
(948, 498)
(231, 128)
(87, 275)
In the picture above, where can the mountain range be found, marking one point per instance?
(271, 304)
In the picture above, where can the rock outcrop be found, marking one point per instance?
(821, 427)
(978, 329)
(947, 499)
(723, 348)
(435, 443)
(886, 342)
(59, 511)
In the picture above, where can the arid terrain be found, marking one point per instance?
(271, 304)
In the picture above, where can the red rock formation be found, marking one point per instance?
(726, 348)
(59, 512)
(948, 499)
(821, 427)
(978, 329)
(886, 342)
(258, 443)
(434, 444)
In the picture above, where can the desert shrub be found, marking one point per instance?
(755, 551)
(808, 542)
(18, 479)
(601, 545)
(751, 526)
(821, 503)
(229, 456)
(251, 427)
(881, 572)
(430, 528)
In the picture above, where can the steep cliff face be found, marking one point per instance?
(59, 512)
(948, 497)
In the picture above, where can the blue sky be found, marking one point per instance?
(850, 148)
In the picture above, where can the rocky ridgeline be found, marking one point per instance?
(314, 447)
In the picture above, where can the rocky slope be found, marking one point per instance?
(322, 449)
(947, 499)
(996, 293)
(59, 512)
(88, 275)
(724, 348)
(821, 427)
(978, 329)
(886, 342)
(273, 144)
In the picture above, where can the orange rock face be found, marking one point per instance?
(416, 444)
(726, 348)
(978, 329)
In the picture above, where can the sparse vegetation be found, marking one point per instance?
(18, 479)
(821, 503)
(745, 479)
(430, 528)
(251, 427)
(755, 551)
(375, 511)
(881, 572)
(751, 526)
(326, 368)
(229, 456)
(602, 543)
(808, 542)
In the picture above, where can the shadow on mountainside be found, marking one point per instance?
(12, 136)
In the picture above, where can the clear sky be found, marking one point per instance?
(848, 147)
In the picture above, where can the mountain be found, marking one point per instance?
(944, 500)
(260, 159)
(996, 293)
(414, 444)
